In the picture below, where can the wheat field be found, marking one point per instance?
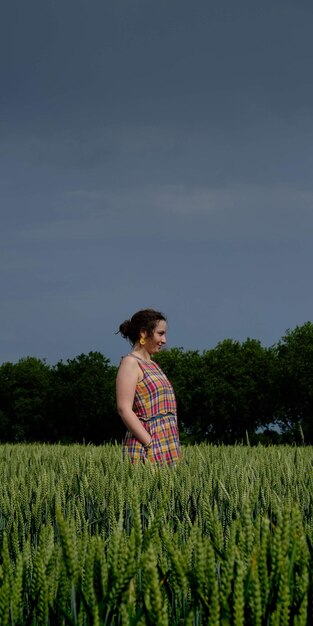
(224, 538)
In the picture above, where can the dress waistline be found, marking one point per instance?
(155, 417)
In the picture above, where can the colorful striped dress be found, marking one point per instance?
(155, 406)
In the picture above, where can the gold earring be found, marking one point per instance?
(142, 341)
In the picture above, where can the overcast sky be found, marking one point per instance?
(154, 153)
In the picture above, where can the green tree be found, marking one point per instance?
(295, 380)
(237, 382)
(83, 402)
(225, 392)
(24, 391)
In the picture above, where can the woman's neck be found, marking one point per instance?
(141, 352)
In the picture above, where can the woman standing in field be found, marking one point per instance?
(145, 397)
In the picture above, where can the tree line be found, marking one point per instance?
(235, 392)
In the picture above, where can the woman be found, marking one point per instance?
(145, 397)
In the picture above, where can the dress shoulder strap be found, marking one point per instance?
(134, 356)
(146, 366)
(138, 358)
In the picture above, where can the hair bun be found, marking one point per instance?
(125, 328)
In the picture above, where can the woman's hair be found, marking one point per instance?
(146, 319)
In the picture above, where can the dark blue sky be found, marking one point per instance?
(154, 153)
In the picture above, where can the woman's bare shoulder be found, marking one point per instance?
(130, 364)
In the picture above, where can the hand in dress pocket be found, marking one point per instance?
(149, 452)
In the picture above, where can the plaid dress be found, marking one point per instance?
(155, 406)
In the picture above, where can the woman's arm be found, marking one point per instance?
(126, 381)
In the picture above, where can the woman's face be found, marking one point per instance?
(158, 338)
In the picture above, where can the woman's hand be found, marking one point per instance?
(148, 448)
